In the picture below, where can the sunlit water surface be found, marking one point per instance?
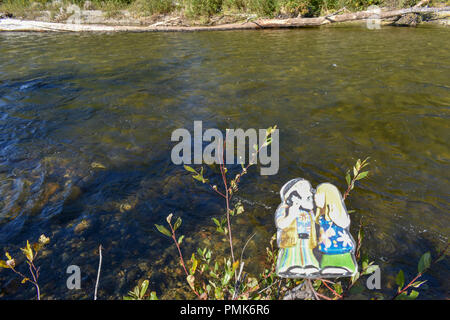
(85, 126)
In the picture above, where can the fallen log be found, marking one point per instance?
(8, 24)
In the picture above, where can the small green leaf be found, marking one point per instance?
(358, 164)
(404, 296)
(338, 288)
(360, 234)
(365, 261)
(216, 222)
(413, 294)
(190, 169)
(400, 279)
(153, 296)
(226, 278)
(348, 178)
(144, 287)
(163, 230)
(362, 175)
(218, 293)
(417, 284)
(371, 269)
(424, 262)
(180, 239)
(177, 224)
(194, 264)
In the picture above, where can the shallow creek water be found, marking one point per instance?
(85, 125)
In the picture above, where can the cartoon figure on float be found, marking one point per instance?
(302, 213)
(296, 236)
(336, 243)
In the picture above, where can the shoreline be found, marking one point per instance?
(397, 17)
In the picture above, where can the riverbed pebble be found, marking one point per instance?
(82, 226)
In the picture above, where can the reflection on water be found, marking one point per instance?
(85, 124)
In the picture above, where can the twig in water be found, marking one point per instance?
(261, 291)
(238, 278)
(291, 294)
(98, 272)
(334, 13)
(331, 289)
(310, 286)
(279, 287)
(245, 246)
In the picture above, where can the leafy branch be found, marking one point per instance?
(30, 252)
(424, 265)
(231, 186)
(140, 293)
(357, 175)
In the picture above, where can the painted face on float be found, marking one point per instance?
(301, 196)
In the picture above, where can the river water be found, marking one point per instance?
(85, 126)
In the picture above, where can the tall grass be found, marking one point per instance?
(203, 7)
(152, 6)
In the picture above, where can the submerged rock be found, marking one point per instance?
(97, 165)
(50, 189)
(74, 193)
(82, 226)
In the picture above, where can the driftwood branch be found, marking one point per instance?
(421, 3)
(98, 271)
(22, 25)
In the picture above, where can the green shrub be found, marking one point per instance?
(203, 7)
(263, 7)
(239, 5)
(364, 4)
(153, 6)
(293, 8)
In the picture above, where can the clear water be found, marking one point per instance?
(70, 102)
